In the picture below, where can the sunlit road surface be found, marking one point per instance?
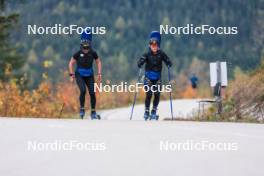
(182, 108)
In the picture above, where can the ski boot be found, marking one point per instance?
(154, 115)
(95, 116)
(146, 115)
(82, 112)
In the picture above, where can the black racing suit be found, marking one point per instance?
(153, 64)
(83, 79)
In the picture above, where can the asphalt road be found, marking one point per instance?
(117, 146)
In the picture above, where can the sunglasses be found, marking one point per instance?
(86, 47)
(153, 41)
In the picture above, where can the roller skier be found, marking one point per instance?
(84, 74)
(153, 66)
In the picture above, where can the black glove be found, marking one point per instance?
(169, 64)
(140, 62)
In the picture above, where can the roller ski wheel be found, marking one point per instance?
(95, 116)
(82, 113)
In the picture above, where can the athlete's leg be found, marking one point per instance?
(157, 94)
(148, 84)
(90, 84)
(81, 84)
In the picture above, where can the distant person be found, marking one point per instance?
(153, 65)
(194, 81)
(84, 73)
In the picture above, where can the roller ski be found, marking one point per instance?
(154, 115)
(95, 116)
(146, 115)
(82, 113)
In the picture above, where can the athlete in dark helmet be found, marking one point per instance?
(153, 66)
(84, 73)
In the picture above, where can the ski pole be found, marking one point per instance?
(135, 96)
(170, 94)
(62, 106)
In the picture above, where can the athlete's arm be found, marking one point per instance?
(142, 60)
(167, 60)
(71, 67)
(99, 68)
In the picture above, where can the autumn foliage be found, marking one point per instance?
(245, 96)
